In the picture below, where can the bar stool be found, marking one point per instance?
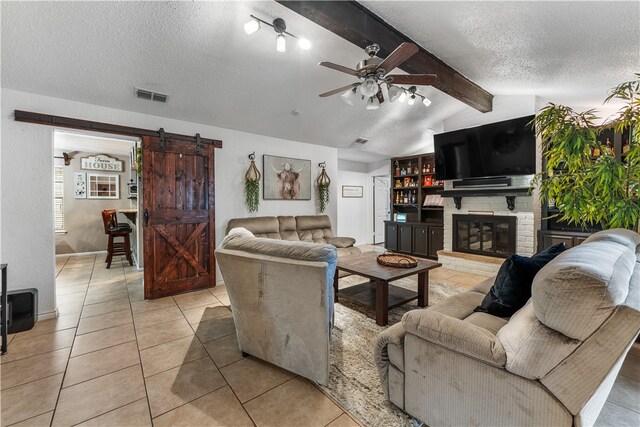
(113, 230)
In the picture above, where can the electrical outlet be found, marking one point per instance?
(240, 159)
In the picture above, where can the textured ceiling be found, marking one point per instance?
(569, 52)
(198, 54)
(89, 142)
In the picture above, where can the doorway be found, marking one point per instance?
(381, 211)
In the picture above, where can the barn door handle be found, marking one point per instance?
(146, 217)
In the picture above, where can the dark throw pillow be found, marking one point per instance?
(512, 287)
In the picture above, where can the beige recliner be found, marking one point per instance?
(281, 295)
(553, 363)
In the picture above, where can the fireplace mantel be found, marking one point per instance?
(510, 193)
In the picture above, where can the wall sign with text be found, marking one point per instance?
(101, 162)
(352, 191)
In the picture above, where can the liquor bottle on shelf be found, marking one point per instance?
(625, 146)
(413, 197)
(405, 199)
(424, 167)
(398, 183)
(595, 152)
(409, 170)
(428, 168)
(403, 172)
(397, 168)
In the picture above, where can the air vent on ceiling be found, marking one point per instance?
(361, 141)
(151, 96)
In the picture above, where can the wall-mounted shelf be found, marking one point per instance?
(510, 194)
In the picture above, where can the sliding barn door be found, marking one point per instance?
(177, 216)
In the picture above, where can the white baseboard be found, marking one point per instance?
(82, 253)
(48, 315)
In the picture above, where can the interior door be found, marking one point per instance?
(381, 212)
(178, 216)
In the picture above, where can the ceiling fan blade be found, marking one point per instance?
(413, 79)
(380, 96)
(342, 89)
(398, 56)
(338, 68)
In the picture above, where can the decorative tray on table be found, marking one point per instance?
(391, 259)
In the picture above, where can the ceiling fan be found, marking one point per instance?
(373, 72)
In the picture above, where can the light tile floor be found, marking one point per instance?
(113, 359)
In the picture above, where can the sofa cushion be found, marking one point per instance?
(314, 228)
(532, 348)
(512, 287)
(627, 238)
(576, 292)
(287, 228)
(262, 226)
(341, 242)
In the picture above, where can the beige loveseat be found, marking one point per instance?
(553, 363)
(281, 295)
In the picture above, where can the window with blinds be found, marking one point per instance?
(58, 202)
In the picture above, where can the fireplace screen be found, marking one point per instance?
(485, 234)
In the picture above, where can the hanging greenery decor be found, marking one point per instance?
(139, 161)
(586, 181)
(322, 183)
(252, 185)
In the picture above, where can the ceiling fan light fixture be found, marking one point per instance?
(394, 93)
(426, 101)
(369, 87)
(281, 43)
(373, 103)
(252, 26)
(412, 100)
(348, 96)
(304, 43)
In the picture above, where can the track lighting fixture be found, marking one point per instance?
(279, 27)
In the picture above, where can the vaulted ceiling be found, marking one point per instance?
(214, 73)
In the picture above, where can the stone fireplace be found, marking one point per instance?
(484, 226)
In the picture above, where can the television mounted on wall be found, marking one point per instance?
(504, 148)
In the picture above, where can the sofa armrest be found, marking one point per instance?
(341, 242)
(455, 334)
(393, 335)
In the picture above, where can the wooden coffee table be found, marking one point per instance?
(379, 293)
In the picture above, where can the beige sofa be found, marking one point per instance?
(281, 295)
(553, 363)
(306, 228)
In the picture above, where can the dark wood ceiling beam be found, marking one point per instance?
(358, 25)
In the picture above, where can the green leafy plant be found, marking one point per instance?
(588, 191)
(323, 196)
(139, 161)
(252, 186)
(252, 195)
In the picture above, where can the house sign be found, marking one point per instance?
(101, 162)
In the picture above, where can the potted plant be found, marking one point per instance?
(323, 182)
(589, 190)
(252, 186)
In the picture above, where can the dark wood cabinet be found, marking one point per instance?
(547, 238)
(405, 238)
(415, 194)
(436, 240)
(391, 236)
(414, 238)
(421, 240)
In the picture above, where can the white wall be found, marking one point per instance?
(26, 175)
(355, 216)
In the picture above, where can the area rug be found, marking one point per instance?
(354, 380)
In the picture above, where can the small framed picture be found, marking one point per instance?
(353, 191)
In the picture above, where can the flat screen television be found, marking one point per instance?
(497, 149)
